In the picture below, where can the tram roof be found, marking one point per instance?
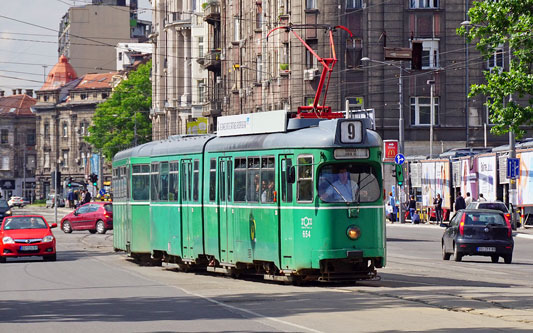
(323, 135)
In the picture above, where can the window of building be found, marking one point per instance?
(421, 110)
(305, 178)
(424, 4)
(236, 28)
(140, 182)
(496, 60)
(310, 60)
(259, 69)
(5, 163)
(83, 96)
(30, 138)
(64, 153)
(45, 98)
(200, 47)
(310, 4)
(201, 91)
(46, 159)
(46, 133)
(354, 4)
(120, 56)
(4, 136)
(259, 16)
(65, 130)
(104, 95)
(430, 54)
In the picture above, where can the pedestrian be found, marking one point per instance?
(416, 217)
(438, 208)
(70, 198)
(468, 199)
(412, 207)
(392, 203)
(459, 202)
(87, 197)
(481, 197)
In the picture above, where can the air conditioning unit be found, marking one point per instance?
(309, 74)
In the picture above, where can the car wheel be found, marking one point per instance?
(51, 257)
(456, 255)
(100, 227)
(508, 258)
(92, 231)
(494, 258)
(67, 228)
(445, 256)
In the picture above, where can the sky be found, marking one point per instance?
(28, 46)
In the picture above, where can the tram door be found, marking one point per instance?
(287, 222)
(225, 211)
(186, 208)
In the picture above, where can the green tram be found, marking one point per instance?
(275, 204)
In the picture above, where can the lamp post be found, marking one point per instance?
(431, 83)
(400, 120)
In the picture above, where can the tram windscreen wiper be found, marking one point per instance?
(338, 192)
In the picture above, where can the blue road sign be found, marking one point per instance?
(399, 159)
(513, 167)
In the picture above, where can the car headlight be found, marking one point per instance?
(8, 240)
(48, 239)
(353, 232)
(8, 212)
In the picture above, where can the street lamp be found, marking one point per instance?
(432, 116)
(401, 122)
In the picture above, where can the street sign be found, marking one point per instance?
(513, 168)
(399, 159)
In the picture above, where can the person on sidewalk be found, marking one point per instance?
(438, 208)
(459, 202)
(481, 197)
(392, 203)
(416, 217)
(468, 199)
(412, 207)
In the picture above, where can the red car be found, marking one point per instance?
(26, 236)
(93, 216)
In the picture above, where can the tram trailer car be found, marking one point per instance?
(267, 204)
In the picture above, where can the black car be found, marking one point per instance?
(5, 210)
(478, 232)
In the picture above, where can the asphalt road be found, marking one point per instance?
(93, 289)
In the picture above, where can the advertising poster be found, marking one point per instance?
(468, 177)
(525, 182)
(436, 178)
(487, 176)
(428, 172)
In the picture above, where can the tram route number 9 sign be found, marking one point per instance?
(351, 131)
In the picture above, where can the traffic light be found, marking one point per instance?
(69, 184)
(399, 175)
(94, 179)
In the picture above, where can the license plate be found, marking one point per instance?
(29, 248)
(486, 249)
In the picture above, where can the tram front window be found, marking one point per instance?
(348, 183)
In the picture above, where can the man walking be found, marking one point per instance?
(438, 208)
(468, 199)
(459, 202)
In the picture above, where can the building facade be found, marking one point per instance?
(17, 145)
(248, 72)
(64, 110)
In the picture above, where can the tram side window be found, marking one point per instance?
(154, 184)
(239, 194)
(286, 188)
(196, 178)
(212, 179)
(254, 185)
(163, 177)
(267, 179)
(140, 182)
(173, 186)
(125, 182)
(305, 178)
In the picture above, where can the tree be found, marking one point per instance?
(127, 109)
(505, 26)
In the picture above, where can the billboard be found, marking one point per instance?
(525, 181)
(487, 176)
(197, 127)
(468, 177)
(436, 179)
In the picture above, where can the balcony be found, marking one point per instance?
(213, 109)
(178, 19)
(211, 60)
(212, 12)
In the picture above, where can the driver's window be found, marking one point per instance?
(82, 210)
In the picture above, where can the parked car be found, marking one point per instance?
(27, 235)
(478, 232)
(92, 216)
(496, 205)
(5, 209)
(16, 202)
(50, 201)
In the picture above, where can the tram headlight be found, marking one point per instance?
(353, 232)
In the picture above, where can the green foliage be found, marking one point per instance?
(505, 23)
(115, 119)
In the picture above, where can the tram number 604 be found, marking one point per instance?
(351, 132)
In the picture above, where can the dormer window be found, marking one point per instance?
(83, 96)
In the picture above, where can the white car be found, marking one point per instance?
(16, 201)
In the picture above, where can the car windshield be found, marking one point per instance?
(484, 219)
(24, 222)
(348, 183)
(3, 204)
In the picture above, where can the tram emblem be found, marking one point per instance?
(307, 225)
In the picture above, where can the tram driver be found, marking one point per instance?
(344, 189)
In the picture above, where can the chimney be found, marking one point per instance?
(29, 92)
(19, 91)
(14, 91)
(1, 93)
